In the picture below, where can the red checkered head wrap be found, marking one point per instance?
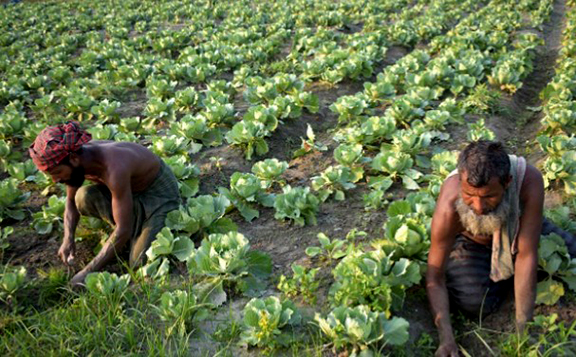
(55, 143)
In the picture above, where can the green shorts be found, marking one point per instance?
(150, 208)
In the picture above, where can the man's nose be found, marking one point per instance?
(479, 206)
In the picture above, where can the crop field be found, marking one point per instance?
(310, 140)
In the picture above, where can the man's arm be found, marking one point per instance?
(526, 265)
(71, 218)
(120, 189)
(445, 226)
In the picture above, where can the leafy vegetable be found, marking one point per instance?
(309, 145)
(362, 331)
(179, 308)
(297, 204)
(23, 171)
(201, 214)
(11, 280)
(227, 258)
(51, 214)
(186, 173)
(10, 199)
(397, 164)
(554, 259)
(373, 278)
(334, 180)
(302, 283)
(268, 171)
(249, 135)
(264, 320)
(333, 249)
(245, 188)
(166, 244)
(107, 285)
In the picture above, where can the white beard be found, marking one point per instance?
(485, 224)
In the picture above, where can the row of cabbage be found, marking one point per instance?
(43, 81)
(272, 100)
(557, 142)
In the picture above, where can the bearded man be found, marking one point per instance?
(485, 233)
(133, 190)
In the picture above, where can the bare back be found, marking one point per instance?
(123, 160)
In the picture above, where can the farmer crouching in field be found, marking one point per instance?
(485, 234)
(133, 189)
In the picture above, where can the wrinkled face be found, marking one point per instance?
(67, 174)
(482, 200)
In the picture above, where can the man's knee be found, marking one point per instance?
(478, 303)
(82, 199)
(548, 227)
(92, 201)
(143, 241)
(476, 295)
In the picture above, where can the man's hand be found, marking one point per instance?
(67, 251)
(78, 279)
(447, 349)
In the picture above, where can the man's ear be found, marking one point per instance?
(74, 159)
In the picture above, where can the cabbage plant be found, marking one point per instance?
(334, 180)
(23, 171)
(302, 283)
(225, 260)
(397, 165)
(361, 331)
(11, 197)
(297, 204)
(246, 190)
(167, 244)
(105, 284)
(406, 237)
(555, 260)
(269, 171)
(561, 170)
(249, 135)
(51, 216)
(201, 214)
(11, 280)
(180, 309)
(186, 173)
(479, 131)
(266, 322)
(373, 278)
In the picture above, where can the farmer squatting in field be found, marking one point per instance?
(134, 189)
(485, 233)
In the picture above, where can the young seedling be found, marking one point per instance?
(309, 145)
(329, 249)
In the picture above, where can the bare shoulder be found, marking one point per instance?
(449, 192)
(445, 222)
(533, 184)
(127, 153)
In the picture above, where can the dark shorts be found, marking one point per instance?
(150, 208)
(468, 279)
(470, 288)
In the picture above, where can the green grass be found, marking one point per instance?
(85, 324)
